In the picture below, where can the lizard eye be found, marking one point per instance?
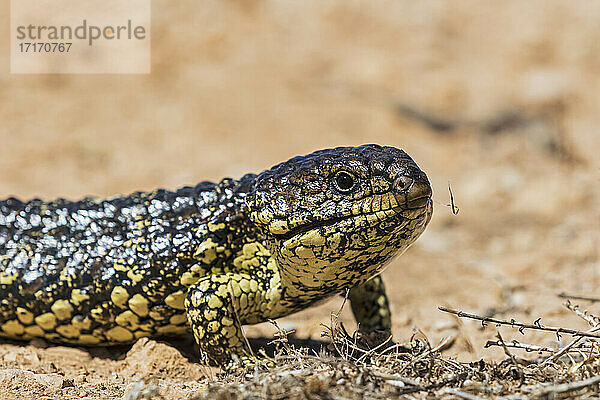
(344, 181)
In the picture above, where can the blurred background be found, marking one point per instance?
(497, 99)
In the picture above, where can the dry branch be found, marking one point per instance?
(589, 318)
(573, 297)
(521, 326)
(568, 387)
(458, 393)
(515, 344)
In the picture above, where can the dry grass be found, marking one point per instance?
(352, 369)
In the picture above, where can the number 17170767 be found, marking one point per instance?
(44, 47)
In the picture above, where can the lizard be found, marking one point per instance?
(212, 257)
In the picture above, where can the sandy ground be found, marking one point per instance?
(499, 99)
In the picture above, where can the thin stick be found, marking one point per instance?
(536, 325)
(569, 387)
(373, 350)
(395, 377)
(421, 356)
(530, 348)
(589, 318)
(455, 209)
(335, 326)
(568, 347)
(572, 297)
(586, 317)
(462, 395)
(505, 348)
(559, 353)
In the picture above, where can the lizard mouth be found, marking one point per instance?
(302, 229)
(416, 204)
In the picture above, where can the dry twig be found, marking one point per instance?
(589, 318)
(568, 387)
(522, 326)
(518, 345)
(573, 297)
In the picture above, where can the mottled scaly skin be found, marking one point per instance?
(213, 257)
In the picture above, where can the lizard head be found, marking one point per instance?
(334, 218)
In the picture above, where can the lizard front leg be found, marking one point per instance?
(216, 307)
(371, 307)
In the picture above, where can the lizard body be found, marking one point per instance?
(212, 257)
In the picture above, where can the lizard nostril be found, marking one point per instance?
(402, 183)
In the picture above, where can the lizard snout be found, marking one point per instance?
(416, 192)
